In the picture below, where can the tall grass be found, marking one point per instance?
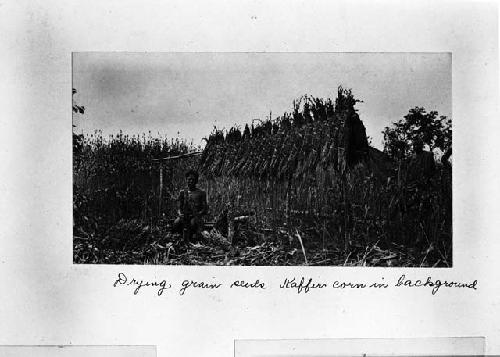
(116, 178)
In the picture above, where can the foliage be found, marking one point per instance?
(430, 128)
(77, 108)
(77, 138)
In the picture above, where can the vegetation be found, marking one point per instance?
(302, 188)
(429, 128)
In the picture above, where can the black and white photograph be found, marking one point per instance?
(280, 178)
(319, 159)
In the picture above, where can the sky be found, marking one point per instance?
(186, 94)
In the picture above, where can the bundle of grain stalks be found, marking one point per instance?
(303, 168)
(317, 134)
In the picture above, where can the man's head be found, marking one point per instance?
(191, 178)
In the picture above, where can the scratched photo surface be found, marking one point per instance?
(273, 159)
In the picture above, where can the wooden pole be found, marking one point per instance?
(196, 153)
(161, 190)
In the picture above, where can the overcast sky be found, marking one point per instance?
(186, 94)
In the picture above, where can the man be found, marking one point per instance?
(445, 159)
(192, 207)
(421, 167)
(419, 194)
(446, 178)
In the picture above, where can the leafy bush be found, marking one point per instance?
(431, 130)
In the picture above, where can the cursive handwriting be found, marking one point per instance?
(123, 280)
(243, 284)
(344, 285)
(195, 284)
(434, 284)
(302, 285)
(299, 286)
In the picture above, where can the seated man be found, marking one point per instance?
(192, 207)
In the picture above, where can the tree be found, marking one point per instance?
(431, 129)
(77, 138)
(77, 108)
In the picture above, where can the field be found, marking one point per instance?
(304, 188)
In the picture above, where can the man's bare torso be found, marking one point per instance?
(193, 202)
